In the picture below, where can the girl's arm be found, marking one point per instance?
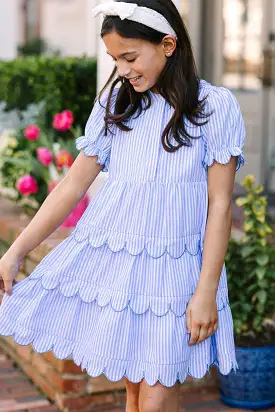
(219, 221)
(202, 314)
(57, 206)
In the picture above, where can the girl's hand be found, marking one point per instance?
(9, 265)
(202, 316)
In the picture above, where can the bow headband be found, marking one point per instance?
(131, 11)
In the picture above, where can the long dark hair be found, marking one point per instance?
(178, 83)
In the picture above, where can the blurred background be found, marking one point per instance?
(52, 65)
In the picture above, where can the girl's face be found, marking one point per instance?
(139, 61)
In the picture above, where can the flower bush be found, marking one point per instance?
(34, 159)
(250, 264)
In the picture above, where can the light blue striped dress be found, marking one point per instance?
(113, 294)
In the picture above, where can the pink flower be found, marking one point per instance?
(27, 185)
(44, 155)
(32, 132)
(64, 158)
(63, 121)
(68, 114)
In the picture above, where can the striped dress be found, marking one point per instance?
(114, 293)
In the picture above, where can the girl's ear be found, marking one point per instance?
(169, 44)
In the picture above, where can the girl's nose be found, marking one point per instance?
(123, 69)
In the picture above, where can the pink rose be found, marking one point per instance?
(32, 132)
(64, 158)
(63, 121)
(27, 185)
(44, 155)
(68, 114)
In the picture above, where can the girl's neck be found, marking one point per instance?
(154, 90)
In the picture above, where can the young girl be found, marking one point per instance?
(138, 290)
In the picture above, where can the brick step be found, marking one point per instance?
(19, 393)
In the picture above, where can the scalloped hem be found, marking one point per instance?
(118, 300)
(223, 157)
(137, 244)
(116, 369)
(90, 149)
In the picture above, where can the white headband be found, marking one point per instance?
(131, 11)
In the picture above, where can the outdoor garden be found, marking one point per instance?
(50, 100)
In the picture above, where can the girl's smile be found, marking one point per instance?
(140, 62)
(135, 81)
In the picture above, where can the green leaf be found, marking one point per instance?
(247, 307)
(262, 242)
(22, 163)
(263, 284)
(262, 296)
(261, 219)
(251, 274)
(259, 189)
(252, 287)
(247, 251)
(261, 272)
(248, 225)
(241, 201)
(262, 260)
(258, 209)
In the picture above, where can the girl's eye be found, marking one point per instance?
(129, 61)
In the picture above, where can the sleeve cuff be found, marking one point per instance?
(91, 149)
(223, 157)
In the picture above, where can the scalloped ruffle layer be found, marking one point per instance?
(136, 244)
(223, 157)
(196, 360)
(118, 300)
(108, 331)
(145, 216)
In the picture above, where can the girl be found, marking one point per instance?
(138, 290)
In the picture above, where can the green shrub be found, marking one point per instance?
(32, 47)
(63, 83)
(250, 264)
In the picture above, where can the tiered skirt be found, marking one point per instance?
(119, 309)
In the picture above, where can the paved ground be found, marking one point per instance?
(17, 393)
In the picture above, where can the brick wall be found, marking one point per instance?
(61, 380)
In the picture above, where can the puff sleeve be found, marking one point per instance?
(95, 142)
(224, 134)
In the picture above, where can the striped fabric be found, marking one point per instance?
(113, 295)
